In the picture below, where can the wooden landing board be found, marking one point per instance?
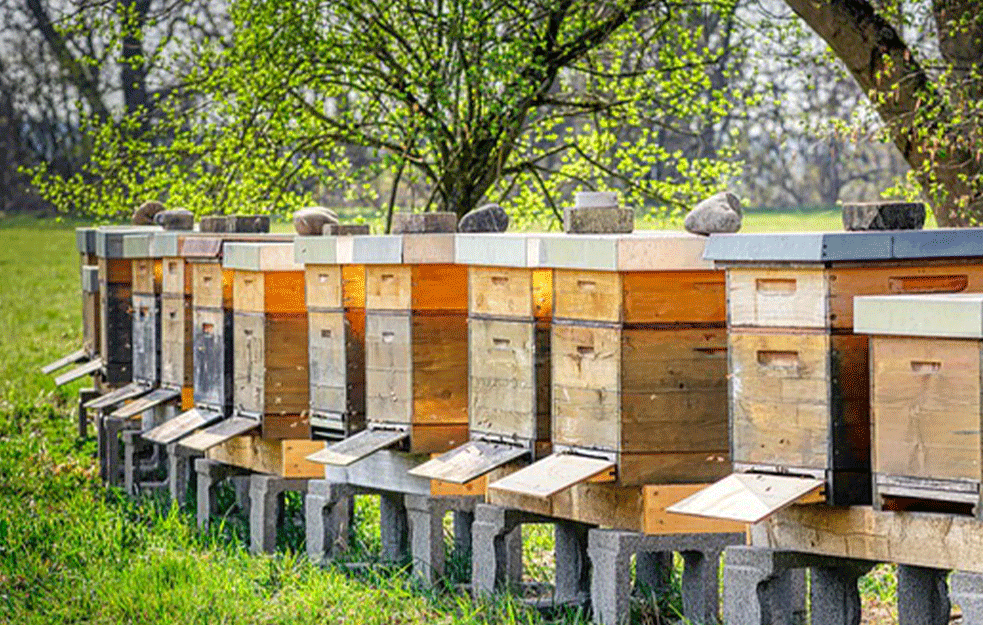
(73, 374)
(469, 462)
(938, 541)
(553, 474)
(117, 396)
(219, 433)
(182, 425)
(64, 361)
(152, 399)
(354, 448)
(749, 497)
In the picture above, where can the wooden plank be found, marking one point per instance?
(248, 291)
(767, 297)
(286, 381)
(388, 368)
(283, 292)
(64, 361)
(248, 362)
(284, 458)
(388, 287)
(587, 295)
(151, 400)
(212, 285)
(118, 396)
(177, 341)
(213, 366)
(604, 505)
(437, 439)
(177, 277)
(336, 363)
(73, 374)
(501, 291)
(146, 278)
(926, 408)
(672, 467)
(353, 286)
(668, 297)
(938, 541)
(586, 365)
(219, 433)
(748, 497)
(182, 425)
(323, 286)
(657, 498)
(91, 326)
(440, 362)
(354, 448)
(553, 474)
(503, 386)
(469, 462)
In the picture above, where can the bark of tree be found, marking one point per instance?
(886, 69)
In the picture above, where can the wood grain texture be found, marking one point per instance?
(587, 295)
(503, 388)
(657, 520)
(176, 276)
(604, 505)
(388, 287)
(388, 368)
(91, 323)
(285, 458)
(146, 275)
(501, 292)
(925, 407)
(212, 285)
(749, 497)
(440, 365)
(176, 339)
(552, 474)
(115, 270)
(337, 361)
(668, 297)
(441, 288)
(324, 286)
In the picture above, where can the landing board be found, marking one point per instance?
(552, 474)
(182, 425)
(354, 448)
(64, 361)
(748, 497)
(469, 462)
(151, 400)
(219, 433)
(73, 374)
(118, 396)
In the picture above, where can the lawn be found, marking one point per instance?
(73, 552)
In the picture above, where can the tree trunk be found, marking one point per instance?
(887, 71)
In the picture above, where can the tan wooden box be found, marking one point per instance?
(926, 410)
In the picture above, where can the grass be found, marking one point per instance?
(74, 552)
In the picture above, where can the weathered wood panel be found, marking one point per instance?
(213, 369)
(212, 285)
(388, 368)
(176, 339)
(286, 458)
(146, 275)
(587, 295)
(177, 277)
(440, 369)
(503, 382)
(324, 286)
(388, 287)
(146, 337)
(669, 297)
(925, 407)
(91, 323)
(501, 292)
(287, 384)
(116, 323)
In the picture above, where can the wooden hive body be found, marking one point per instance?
(926, 409)
(90, 311)
(270, 338)
(335, 294)
(799, 388)
(146, 287)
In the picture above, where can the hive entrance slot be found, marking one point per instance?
(928, 284)
(925, 366)
(778, 359)
(777, 286)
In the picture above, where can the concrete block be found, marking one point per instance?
(421, 223)
(496, 548)
(763, 587)
(180, 466)
(883, 216)
(110, 447)
(426, 526)
(600, 220)
(834, 597)
(923, 596)
(947, 315)
(265, 508)
(610, 554)
(394, 527)
(328, 510)
(966, 590)
(572, 563)
(209, 474)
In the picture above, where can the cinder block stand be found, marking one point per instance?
(426, 531)
(85, 395)
(180, 467)
(328, 509)
(610, 556)
(266, 508)
(209, 474)
(966, 590)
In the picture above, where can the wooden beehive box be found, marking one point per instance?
(926, 409)
(90, 310)
(335, 295)
(176, 314)
(639, 367)
(416, 347)
(270, 338)
(85, 243)
(510, 305)
(799, 374)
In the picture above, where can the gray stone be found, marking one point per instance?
(720, 213)
(487, 218)
(426, 524)
(311, 220)
(247, 223)
(180, 467)
(833, 593)
(572, 563)
(144, 215)
(598, 220)
(421, 223)
(328, 510)
(345, 230)
(923, 596)
(610, 554)
(85, 395)
(393, 527)
(209, 474)
(764, 587)
(175, 219)
(884, 216)
(966, 590)
(595, 199)
(496, 548)
(213, 223)
(266, 508)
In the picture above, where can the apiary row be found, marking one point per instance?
(594, 377)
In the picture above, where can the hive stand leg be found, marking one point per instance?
(496, 548)
(209, 474)
(923, 597)
(572, 563)
(967, 593)
(85, 395)
(112, 428)
(833, 593)
(763, 587)
(700, 585)
(180, 466)
(426, 524)
(99, 422)
(653, 572)
(393, 526)
(463, 520)
(610, 580)
(327, 515)
(265, 507)
(130, 463)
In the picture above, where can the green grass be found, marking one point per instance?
(73, 552)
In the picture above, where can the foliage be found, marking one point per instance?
(452, 103)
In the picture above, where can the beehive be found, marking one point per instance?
(416, 347)
(926, 388)
(799, 374)
(638, 364)
(176, 313)
(335, 295)
(195, 259)
(510, 304)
